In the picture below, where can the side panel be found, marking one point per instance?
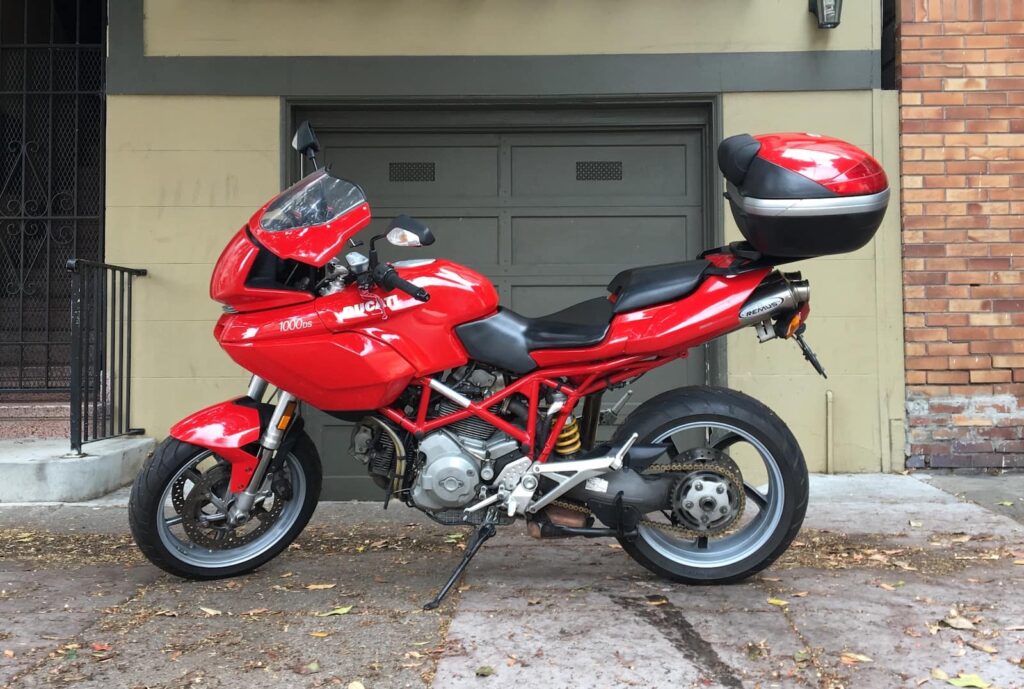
(711, 311)
(225, 429)
(291, 349)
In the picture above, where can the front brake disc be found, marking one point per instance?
(218, 535)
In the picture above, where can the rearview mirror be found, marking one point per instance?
(406, 231)
(305, 141)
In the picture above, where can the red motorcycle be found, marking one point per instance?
(478, 415)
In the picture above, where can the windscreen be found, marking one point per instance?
(315, 199)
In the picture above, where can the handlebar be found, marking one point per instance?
(387, 277)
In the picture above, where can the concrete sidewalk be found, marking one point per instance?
(880, 565)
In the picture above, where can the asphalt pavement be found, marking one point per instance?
(892, 583)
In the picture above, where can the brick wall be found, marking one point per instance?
(961, 72)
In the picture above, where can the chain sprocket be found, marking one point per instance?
(217, 535)
(730, 473)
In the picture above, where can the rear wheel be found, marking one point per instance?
(742, 497)
(180, 500)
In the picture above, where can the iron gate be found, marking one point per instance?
(51, 179)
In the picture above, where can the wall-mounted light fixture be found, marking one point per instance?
(827, 11)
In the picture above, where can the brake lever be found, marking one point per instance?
(808, 353)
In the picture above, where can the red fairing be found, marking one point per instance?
(316, 244)
(224, 429)
(351, 351)
(227, 284)
(291, 349)
(835, 164)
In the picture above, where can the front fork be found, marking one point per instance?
(281, 419)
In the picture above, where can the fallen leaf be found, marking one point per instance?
(308, 669)
(982, 646)
(802, 656)
(939, 673)
(801, 594)
(484, 671)
(101, 647)
(287, 574)
(256, 611)
(320, 587)
(210, 612)
(777, 601)
(615, 546)
(344, 610)
(1015, 628)
(356, 685)
(1018, 562)
(886, 587)
(656, 600)
(534, 601)
(957, 622)
(8, 653)
(1005, 503)
(916, 524)
(963, 680)
(320, 635)
(849, 658)
(165, 613)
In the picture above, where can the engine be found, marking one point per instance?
(455, 463)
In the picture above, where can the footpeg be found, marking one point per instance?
(609, 416)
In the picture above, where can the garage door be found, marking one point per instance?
(549, 205)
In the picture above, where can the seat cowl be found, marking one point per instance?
(637, 288)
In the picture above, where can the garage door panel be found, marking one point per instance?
(540, 300)
(614, 241)
(434, 175)
(603, 174)
(472, 241)
(548, 208)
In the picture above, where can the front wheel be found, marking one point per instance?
(180, 500)
(740, 493)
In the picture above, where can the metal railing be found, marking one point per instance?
(101, 352)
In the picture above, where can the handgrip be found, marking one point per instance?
(387, 277)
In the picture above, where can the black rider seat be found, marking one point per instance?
(507, 338)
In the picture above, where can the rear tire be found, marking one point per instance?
(147, 506)
(680, 560)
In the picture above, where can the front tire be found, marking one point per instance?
(731, 418)
(157, 509)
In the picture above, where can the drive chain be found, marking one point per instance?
(686, 468)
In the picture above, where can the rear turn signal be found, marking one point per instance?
(797, 320)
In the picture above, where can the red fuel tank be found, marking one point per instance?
(422, 332)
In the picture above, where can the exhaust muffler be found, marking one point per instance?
(776, 297)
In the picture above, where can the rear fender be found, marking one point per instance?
(226, 429)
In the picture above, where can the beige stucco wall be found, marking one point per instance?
(183, 174)
(497, 27)
(855, 325)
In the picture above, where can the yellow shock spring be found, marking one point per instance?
(569, 439)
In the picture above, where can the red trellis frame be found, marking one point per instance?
(585, 379)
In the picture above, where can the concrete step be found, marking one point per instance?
(41, 470)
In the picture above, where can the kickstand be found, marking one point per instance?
(485, 531)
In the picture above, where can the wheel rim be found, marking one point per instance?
(172, 535)
(706, 553)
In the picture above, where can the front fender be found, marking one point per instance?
(226, 429)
